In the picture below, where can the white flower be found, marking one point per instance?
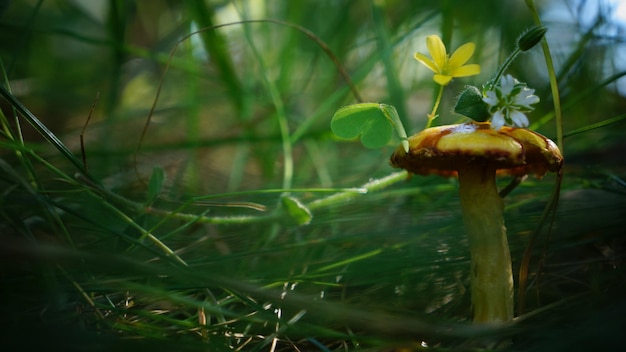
(508, 101)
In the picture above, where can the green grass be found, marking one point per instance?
(266, 233)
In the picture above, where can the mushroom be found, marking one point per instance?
(476, 153)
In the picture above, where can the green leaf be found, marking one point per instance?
(471, 104)
(298, 211)
(155, 184)
(372, 122)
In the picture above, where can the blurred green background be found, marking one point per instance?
(230, 218)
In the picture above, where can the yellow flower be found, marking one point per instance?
(446, 67)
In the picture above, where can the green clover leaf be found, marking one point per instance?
(373, 122)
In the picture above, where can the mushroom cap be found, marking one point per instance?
(443, 150)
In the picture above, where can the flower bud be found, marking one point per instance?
(531, 38)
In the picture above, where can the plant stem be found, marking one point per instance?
(491, 274)
(554, 86)
(505, 65)
(281, 115)
(433, 114)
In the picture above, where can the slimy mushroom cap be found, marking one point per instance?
(443, 150)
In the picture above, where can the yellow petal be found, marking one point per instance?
(467, 70)
(461, 56)
(442, 80)
(426, 61)
(437, 50)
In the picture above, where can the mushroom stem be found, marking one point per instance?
(491, 274)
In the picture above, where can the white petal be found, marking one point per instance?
(497, 121)
(491, 98)
(507, 83)
(525, 98)
(519, 119)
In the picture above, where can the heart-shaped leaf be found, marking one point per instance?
(372, 122)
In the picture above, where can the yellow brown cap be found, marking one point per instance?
(443, 150)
